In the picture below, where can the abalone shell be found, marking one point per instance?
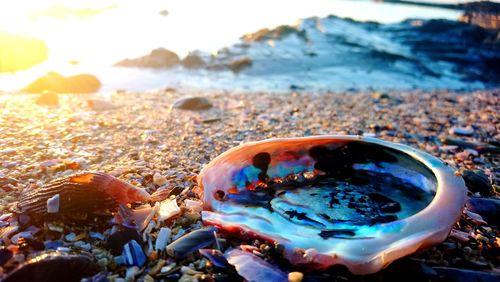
(356, 201)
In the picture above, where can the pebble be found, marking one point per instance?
(464, 131)
(295, 276)
(48, 98)
(477, 181)
(159, 179)
(192, 103)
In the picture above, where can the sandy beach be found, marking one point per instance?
(134, 136)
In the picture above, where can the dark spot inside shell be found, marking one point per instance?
(338, 162)
(262, 161)
(219, 195)
(337, 233)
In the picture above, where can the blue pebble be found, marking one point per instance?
(133, 255)
(53, 245)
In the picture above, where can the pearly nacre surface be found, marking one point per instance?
(356, 201)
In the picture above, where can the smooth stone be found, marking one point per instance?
(54, 82)
(192, 103)
(477, 181)
(465, 131)
(48, 98)
(487, 208)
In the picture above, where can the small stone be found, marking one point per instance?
(82, 245)
(131, 273)
(467, 250)
(477, 181)
(48, 98)
(103, 262)
(53, 204)
(70, 237)
(295, 276)
(167, 268)
(192, 104)
(148, 278)
(159, 179)
(465, 131)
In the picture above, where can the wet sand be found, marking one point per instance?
(134, 136)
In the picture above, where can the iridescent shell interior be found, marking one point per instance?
(360, 202)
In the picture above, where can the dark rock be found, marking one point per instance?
(54, 267)
(48, 98)
(193, 61)
(487, 208)
(54, 82)
(478, 146)
(158, 58)
(278, 33)
(477, 181)
(238, 64)
(398, 271)
(117, 240)
(484, 14)
(191, 242)
(192, 103)
(465, 275)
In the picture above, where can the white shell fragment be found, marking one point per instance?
(53, 204)
(168, 208)
(356, 201)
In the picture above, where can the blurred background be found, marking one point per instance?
(278, 46)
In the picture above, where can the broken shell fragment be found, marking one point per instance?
(355, 201)
(253, 268)
(191, 242)
(85, 192)
(133, 255)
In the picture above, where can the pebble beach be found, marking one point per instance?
(143, 139)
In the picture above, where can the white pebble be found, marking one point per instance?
(53, 204)
(159, 179)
